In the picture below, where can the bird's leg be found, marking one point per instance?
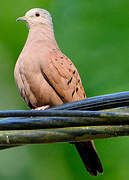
(42, 108)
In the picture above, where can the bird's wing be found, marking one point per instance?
(64, 78)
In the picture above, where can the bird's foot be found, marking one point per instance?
(42, 108)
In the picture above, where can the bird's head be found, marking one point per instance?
(36, 16)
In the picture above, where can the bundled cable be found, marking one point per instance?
(73, 122)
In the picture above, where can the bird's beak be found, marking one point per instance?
(24, 18)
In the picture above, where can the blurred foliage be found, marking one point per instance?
(95, 35)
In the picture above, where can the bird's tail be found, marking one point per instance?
(89, 156)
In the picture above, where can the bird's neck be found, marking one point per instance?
(43, 34)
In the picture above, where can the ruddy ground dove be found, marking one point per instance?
(45, 77)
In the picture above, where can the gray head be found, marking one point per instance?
(36, 16)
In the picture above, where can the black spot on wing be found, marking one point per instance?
(70, 81)
(73, 93)
(74, 72)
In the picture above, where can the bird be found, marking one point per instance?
(45, 77)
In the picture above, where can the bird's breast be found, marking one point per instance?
(32, 85)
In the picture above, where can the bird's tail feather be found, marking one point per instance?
(89, 156)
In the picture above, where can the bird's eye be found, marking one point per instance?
(37, 14)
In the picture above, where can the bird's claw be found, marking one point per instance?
(42, 108)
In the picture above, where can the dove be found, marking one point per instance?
(45, 77)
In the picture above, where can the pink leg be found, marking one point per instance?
(42, 108)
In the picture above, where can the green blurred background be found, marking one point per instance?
(95, 35)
